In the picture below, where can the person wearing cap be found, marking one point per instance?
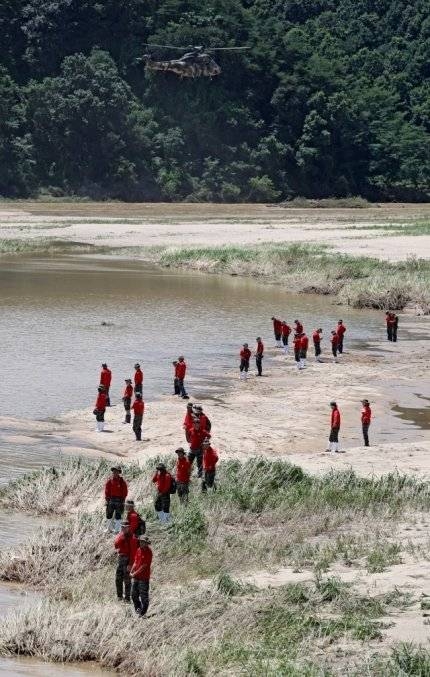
(285, 331)
(136, 522)
(183, 472)
(277, 330)
(245, 355)
(140, 576)
(304, 344)
(180, 371)
(99, 409)
(115, 494)
(259, 354)
(126, 546)
(138, 379)
(334, 343)
(366, 417)
(199, 414)
(163, 481)
(138, 409)
(126, 398)
(176, 390)
(316, 337)
(340, 331)
(197, 435)
(188, 420)
(105, 381)
(333, 444)
(210, 459)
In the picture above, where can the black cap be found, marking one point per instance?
(333, 403)
(137, 365)
(180, 450)
(161, 466)
(104, 364)
(138, 396)
(117, 468)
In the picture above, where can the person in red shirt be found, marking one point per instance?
(333, 444)
(140, 576)
(298, 327)
(296, 345)
(99, 409)
(340, 330)
(392, 321)
(138, 379)
(259, 354)
(126, 398)
(334, 343)
(245, 355)
(135, 521)
(197, 435)
(210, 459)
(183, 472)
(126, 546)
(316, 337)
(175, 379)
(304, 344)
(188, 421)
(105, 380)
(115, 494)
(285, 331)
(163, 481)
(366, 417)
(180, 371)
(199, 414)
(277, 330)
(138, 409)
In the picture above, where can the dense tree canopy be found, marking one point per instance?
(331, 99)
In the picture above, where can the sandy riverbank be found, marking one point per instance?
(119, 225)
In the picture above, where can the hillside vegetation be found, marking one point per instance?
(331, 99)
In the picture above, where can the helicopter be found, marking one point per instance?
(195, 63)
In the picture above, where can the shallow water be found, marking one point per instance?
(29, 667)
(52, 310)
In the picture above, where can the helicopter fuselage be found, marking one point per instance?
(191, 65)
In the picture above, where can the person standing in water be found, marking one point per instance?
(180, 371)
(366, 417)
(286, 331)
(316, 337)
(334, 342)
(277, 330)
(340, 330)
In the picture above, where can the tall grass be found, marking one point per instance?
(356, 281)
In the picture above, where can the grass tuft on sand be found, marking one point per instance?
(361, 282)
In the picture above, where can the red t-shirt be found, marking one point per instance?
(286, 329)
(335, 418)
(133, 518)
(366, 414)
(245, 354)
(138, 377)
(196, 437)
(142, 564)
(299, 327)
(101, 402)
(277, 326)
(341, 329)
(297, 341)
(260, 348)
(210, 459)
(163, 481)
(183, 470)
(128, 390)
(116, 487)
(304, 343)
(126, 546)
(105, 377)
(334, 339)
(316, 337)
(180, 370)
(138, 407)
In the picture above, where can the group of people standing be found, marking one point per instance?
(335, 421)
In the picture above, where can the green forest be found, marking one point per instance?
(332, 99)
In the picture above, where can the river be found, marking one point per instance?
(54, 343)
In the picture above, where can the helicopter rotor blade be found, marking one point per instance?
(226, 49)
(151, 44)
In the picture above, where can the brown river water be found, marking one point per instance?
(53, 344)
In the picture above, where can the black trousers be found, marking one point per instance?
(277, 336)
(317, 347)
(395, 333)
(138, 388)
(259, 364)
(297, 355)
(162, 503)
(100, 415)
(127, 406)
(114, 506)
(181, 388)
(365, 427)
(244, 365)
(183, 489)
(285, 340)
(198, 455)
(176, 389)
(140, 596)
(137, 426)
(390, 332)
(303, 354)
(208, 479)
(107, 397)
(340, 345)
(122, 578)
(334, 435)
(334, 350)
